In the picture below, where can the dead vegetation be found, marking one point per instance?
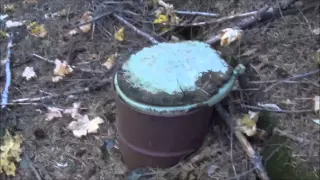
(73, 47)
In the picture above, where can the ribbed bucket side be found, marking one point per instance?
(158, 140)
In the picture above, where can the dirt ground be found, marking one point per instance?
(279, 48)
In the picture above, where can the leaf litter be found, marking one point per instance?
(61, 70)
(10, 153)
(119, 35)
(82, 125)
(37, 30)
(63, 112)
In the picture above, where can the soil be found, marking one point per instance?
(272, 51)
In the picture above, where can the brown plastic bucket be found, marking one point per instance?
(157, 140)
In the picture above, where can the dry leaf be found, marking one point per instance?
(119, 35)
(74, 111)
(316, 100)
(37, 30)
(111, 61)
(29, 73)
(248, 123)
(84, 126)
(87, 17)
(62, 68)
(73, 32)
(10, 153)
(161, 18)
(61, 13)
(52, 113)
(56, 78)
(230, 35)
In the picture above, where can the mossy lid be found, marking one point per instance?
(173, 74)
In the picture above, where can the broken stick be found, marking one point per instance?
(263, 14)
(135, 29)
(253, 155)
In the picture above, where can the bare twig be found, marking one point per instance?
(291, 136)
(292, 78)
(68, 93)
(223, 19)
(196, 13)
(135, 29)
(32, 167)
(254, 156)
(80, 69)
(94, 19)
(276, 110)
(286, 82)
(263, 14)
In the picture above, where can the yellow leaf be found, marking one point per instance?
(37, 30)
(119, 35)
(4, 34)
(161, 19)
(164, 29)
(111, 61)
(10, 153)
(86, 18)
(247, 124)
(10, 169)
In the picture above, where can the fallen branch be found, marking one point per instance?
(68, 93)
(292, 78)
(196, 13)
(74, 67)
(276, 110)
(253, 155)
(135, 29)
(286, 82)
(291, 137)
(5, 93)
(223, 19)
(263, 14)
(32, 167)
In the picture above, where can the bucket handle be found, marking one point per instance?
(222, 93)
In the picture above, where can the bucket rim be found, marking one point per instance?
(222, 93)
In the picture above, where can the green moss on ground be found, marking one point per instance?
(277, 154)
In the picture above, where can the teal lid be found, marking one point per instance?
(173, 74)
